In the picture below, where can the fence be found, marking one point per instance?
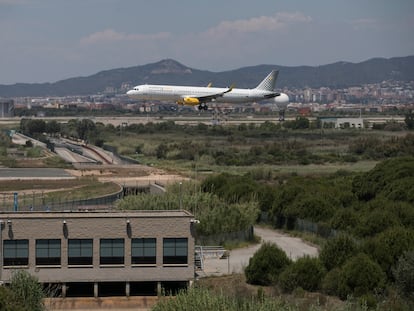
(219, 239)
(37, 201)
(303, 225)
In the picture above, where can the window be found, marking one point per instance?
(175, 251)
(144, 251)
(48, 252)
(112, 251)
(80, 251)
(16, 253)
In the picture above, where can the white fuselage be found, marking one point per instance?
(178, 93)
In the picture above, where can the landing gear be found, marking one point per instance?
(202, 106)
(282, 115)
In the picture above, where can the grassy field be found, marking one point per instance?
(39, 192)
(332, 145)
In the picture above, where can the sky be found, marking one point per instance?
(51, 40)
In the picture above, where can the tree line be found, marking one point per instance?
(373, 217)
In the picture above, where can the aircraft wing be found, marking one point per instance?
(207, 98)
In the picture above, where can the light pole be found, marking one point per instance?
(180, 196)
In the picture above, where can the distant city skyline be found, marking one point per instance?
(52, 40)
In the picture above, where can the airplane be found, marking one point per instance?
(200, 96)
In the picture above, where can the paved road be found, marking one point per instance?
(33, 173)
(239, 258)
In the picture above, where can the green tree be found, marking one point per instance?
(86, 129)
(161, 151)
(306, 272)
(337, 250)
(376, 220)
(359, 276)
(32, 127)
(52, 127)
(27, 291)
(266, 265)
(388, 246)
(409, 120)
(8, 301)
(404, 274)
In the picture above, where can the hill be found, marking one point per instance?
(168, 71)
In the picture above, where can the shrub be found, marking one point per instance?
(306, 273)
(404, 275)
(266, 265)
(388, 246)
(336, 251)
(8, 301)
(27, 290)
(331, 282)
(360, 276)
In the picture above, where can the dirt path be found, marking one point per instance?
(239, 258)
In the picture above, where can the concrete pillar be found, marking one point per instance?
(127, 289)
(159, 289)
(64, 288)
(95, 290)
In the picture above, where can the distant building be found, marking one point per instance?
(100, 254)
(6, 108)
(342, 123)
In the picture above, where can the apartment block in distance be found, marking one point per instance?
(98, 254)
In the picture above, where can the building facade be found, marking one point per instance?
(100, 254)
(6, 108)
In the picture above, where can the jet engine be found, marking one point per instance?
(282, 99)
(281, 102)
(192, 101)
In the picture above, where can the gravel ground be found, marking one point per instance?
(239, 258)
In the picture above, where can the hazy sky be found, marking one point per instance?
(51, 40)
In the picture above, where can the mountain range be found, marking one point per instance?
(169, 71)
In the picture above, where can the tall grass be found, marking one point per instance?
(215, 215)
(197, 298)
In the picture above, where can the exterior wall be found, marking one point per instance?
(350, 122)
(6, 108)
(97, 225)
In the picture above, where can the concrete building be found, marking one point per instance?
(98, 254)
(343, 123)
(6, 108)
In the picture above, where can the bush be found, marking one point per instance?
(404, 275)
(331, 282)
(336, 251)
(388, 246)
(266, 265)
(306, 273)
(8, 301)
(359, 276)
(27, 290)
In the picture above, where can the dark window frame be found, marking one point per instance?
(15, 247)
(49, 246)
(144, 251)
(173, 251)
(109, 246)
(84, 248)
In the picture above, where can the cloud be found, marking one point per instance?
(222, 44)
(276, 22)
(364, 23)
(110, 36)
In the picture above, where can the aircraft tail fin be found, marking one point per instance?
(268, 84)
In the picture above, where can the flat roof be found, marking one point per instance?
(98, 214)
